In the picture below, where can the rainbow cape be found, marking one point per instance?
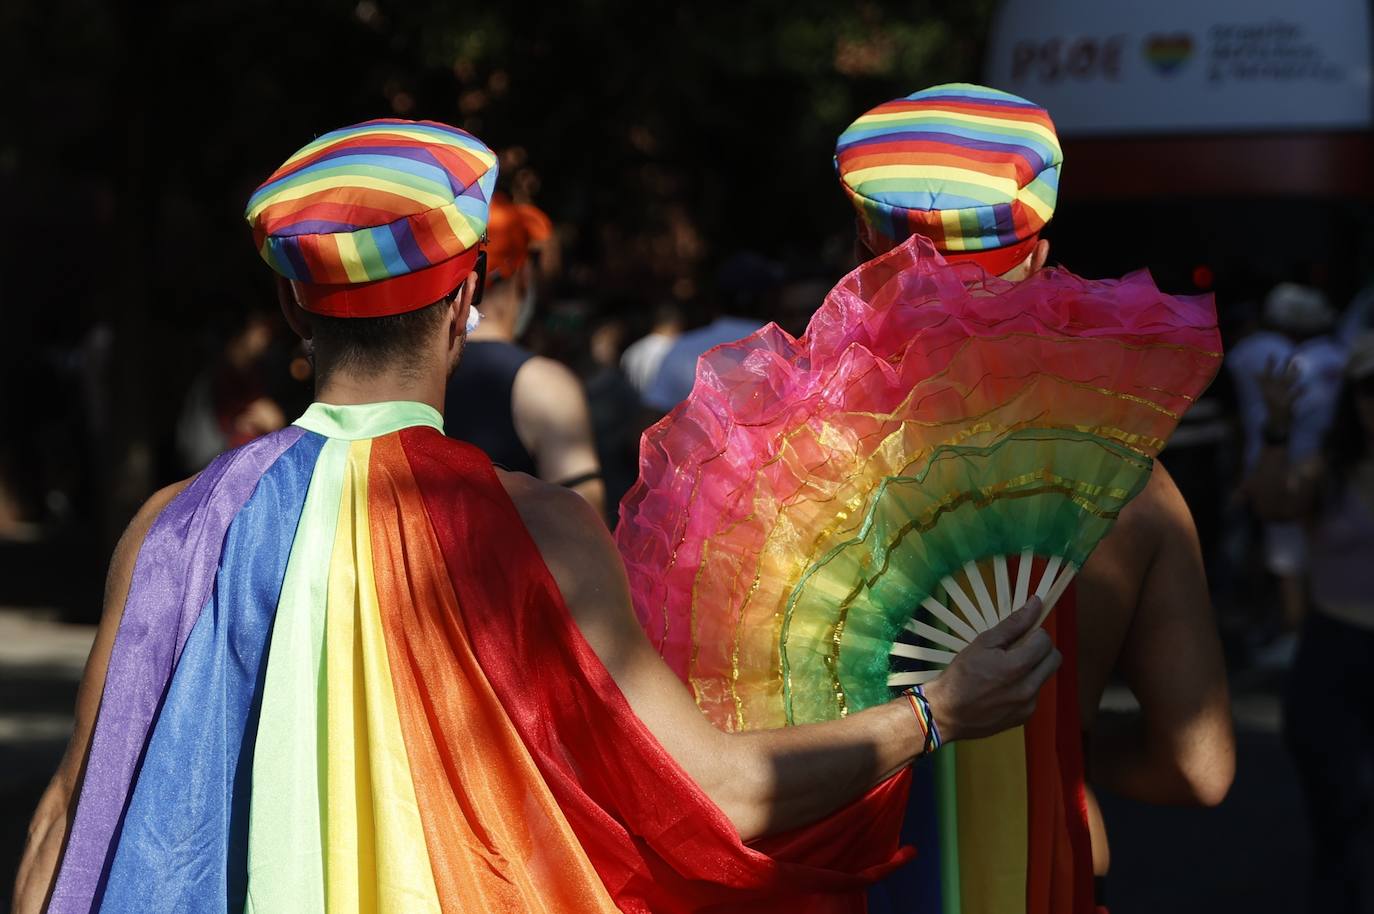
(345, 680)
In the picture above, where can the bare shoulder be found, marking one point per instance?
(1154, 518)
(1148, 517)
(1160, 508)
(580, 554)
(567, 531)
(126, 551)
(549, 387)
(121, 571)
(160, 500)
(544, 508)
(541, 369)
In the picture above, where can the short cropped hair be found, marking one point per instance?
(371, 345)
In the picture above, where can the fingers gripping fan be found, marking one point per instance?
(829, 518)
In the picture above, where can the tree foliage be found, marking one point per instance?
(660, 137)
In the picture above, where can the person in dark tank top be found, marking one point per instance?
(528, 413)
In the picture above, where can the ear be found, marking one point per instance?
(291, 308)
(460, 306)
(1039, 256)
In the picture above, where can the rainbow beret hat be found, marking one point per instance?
(973, 169)
(380, 218)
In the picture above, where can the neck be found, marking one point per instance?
(499, 308)
(493, 330)
(346, 389)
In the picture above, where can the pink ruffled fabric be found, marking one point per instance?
(782, 440)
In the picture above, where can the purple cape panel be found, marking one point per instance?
(171, 583)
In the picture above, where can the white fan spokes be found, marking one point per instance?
(980, 592)
(999, 571)
(936, 635)
(929, 654)
(1061, 584)
(938, 646)
(956, 593)
(945, 615)
(919, 677)
(1047, 578)
(1023, 571)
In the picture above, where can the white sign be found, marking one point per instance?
(1187, 66)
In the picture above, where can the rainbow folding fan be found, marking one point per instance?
(830, 518)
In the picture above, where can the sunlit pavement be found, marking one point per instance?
(40, 666)
(1249, 855)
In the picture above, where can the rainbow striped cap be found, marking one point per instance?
(974, 169)
(383, 217)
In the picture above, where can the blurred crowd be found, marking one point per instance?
(603, 367)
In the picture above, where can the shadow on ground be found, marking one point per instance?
(1250, 854)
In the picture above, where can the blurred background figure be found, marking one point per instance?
(643, 357)
(527, 412)
(1359, 317)
(228, 403)
(746, 298)
(1295, 331)
(1329, 707)
(617, 415)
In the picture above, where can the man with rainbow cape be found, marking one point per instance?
(976, 171)
(351, 667)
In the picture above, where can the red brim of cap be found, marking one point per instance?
(996, 261)
(385, 297)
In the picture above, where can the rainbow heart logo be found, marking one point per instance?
(1168, 53)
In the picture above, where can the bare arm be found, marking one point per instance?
(552, 421)
(48, 829)
(768, 781)
(1180, 748)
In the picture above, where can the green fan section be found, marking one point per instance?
(1055, 492)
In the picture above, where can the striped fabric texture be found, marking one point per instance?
(972, 168)
(345, 682)
(375, 201)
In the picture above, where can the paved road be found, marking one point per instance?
(40, 666)
(1246, 856)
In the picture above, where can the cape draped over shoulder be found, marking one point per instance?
(345, 679)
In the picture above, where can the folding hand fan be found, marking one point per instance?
(827, 519)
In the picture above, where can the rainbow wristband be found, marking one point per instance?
(919, 714)
(919, 703)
